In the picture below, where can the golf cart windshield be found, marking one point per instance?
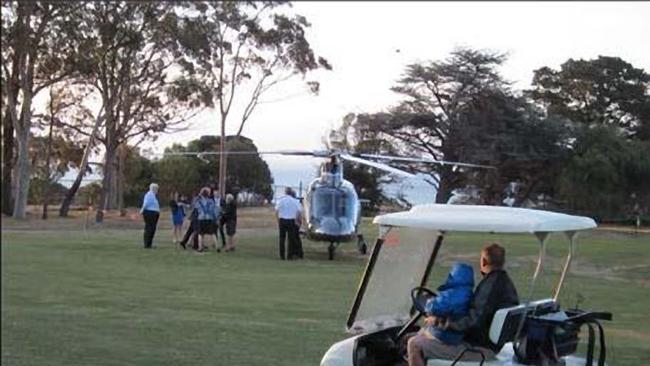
(405, 252)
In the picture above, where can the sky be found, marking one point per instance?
(370, 43)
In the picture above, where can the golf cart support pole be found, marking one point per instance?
(432, 259)
(542, 237)
(572, 240)
(365, 278)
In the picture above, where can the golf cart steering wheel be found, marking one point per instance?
(419, 302)
(419, 299)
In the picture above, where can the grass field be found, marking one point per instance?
(93, 297)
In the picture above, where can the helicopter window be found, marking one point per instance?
(330, 203)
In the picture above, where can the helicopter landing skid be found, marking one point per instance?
(362, 245)
(331, 249)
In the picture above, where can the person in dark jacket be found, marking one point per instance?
(230, 221)
(193, 228)
(295, 251)
(452, 302)
(495, 291)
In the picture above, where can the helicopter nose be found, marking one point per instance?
(330, 225)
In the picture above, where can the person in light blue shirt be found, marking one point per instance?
(207, 216)
(150, 213)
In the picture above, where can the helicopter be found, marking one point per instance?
(331, 206)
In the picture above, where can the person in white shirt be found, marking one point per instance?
(288, 211)
(150, 212)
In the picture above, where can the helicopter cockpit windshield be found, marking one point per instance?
(330, 202)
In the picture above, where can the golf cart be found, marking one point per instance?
(536, 332)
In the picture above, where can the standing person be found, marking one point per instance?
(287, 209)
(178, 215)
(218, 224)
(230, 221)
(193, 229)
(207, 216)
(150, 213)
(297, 249)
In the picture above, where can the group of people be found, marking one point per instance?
(460, 316)
(208, 217)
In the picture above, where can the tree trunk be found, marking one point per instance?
(121, 180)
(22, 175)
(7, 162)
(69, 196)
(107, 183)
(46, 188)
(222, 159)
(445, 185)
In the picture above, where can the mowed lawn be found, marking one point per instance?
(95, 297)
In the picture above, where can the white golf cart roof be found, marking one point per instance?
(407, 247)
(494, 219)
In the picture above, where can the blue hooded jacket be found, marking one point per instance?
(453, 301)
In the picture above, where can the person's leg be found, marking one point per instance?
(195, 240)
(215, 233)
(154, 225)
(283, 234)
(299, 251)
(414, 352)
(176, 233)
(150, 219)
(223, 237)
(147, 229)
(187, 235)
(231, 228)
(422, 347)
(293, 240)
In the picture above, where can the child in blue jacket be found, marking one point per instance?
(453, 301)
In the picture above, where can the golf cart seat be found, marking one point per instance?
(506, 321)
(503, 330)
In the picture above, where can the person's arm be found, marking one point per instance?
(441, 305)
(298, 213)
(482, 305)
(145, 202)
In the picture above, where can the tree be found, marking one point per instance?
(525, 147)
(126, 58)
(425, 123)
(139, 172)
(606, 91)
(606, 169)
(234, 45)
(36, 54)
(186, 174)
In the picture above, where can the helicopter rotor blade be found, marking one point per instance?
(425, 160)
(377, 165)
(278, 152)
